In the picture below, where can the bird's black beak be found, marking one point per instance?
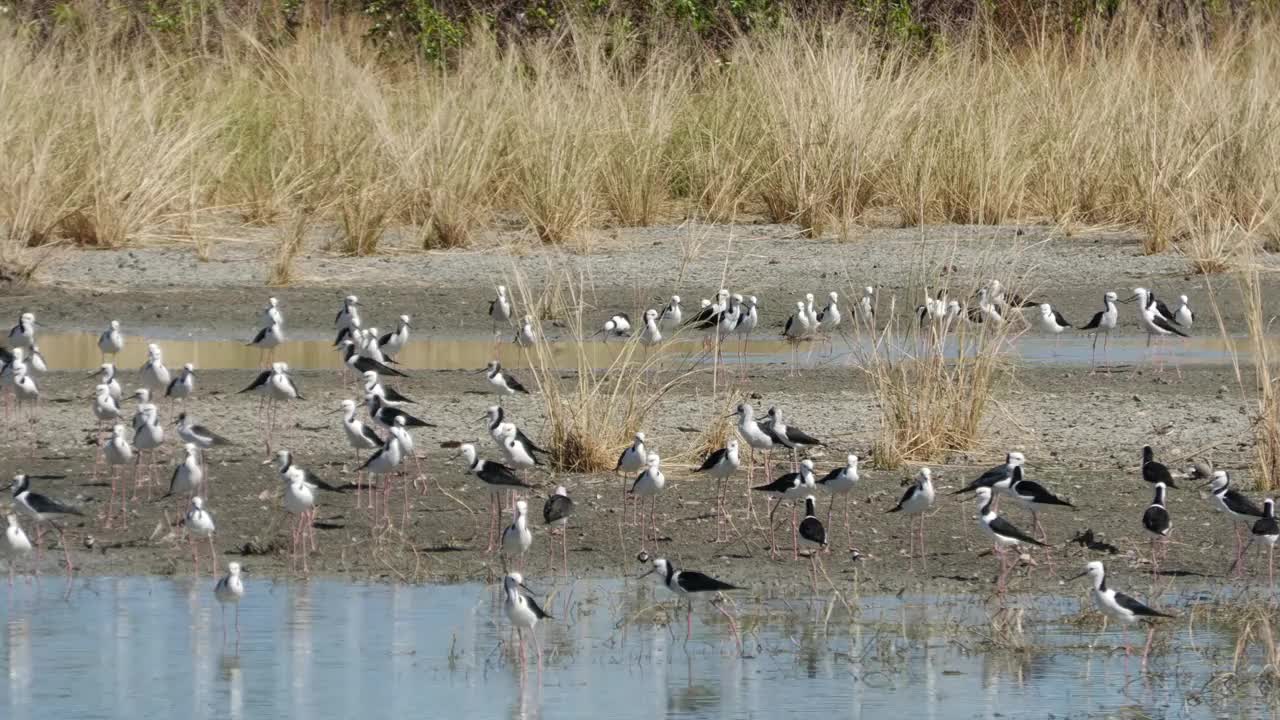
(1129, 299)
(527, 589)
(646, 574)
(95, 372)
(1077, 577)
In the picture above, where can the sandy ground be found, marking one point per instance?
(167, 288)
(1082, 433)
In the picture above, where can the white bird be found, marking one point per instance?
(672, 315)
(300, 501)
(618, 326)
(651, 334)
(16, 544)
(518, 455)
(729, 318)
(35, 360)
(393, 342)
(107, 376)
(348, 316)
(187, 476)
(829, 316)
(748, 319)
(500, 309)
(502, 381)
(199, 525)
(1102, 323)
(268, 339)
(183, 386)
(23, 335)
(111, 341)
(516, 538)
(1053, 323)
(523, 612)
(24, 388)
(841, 481)
(1183, 315)
(525, 336)
(866, 305)
(271, 314)
(148, 435)
(1118, 606)
(155, 376)
(721, 465)
(1002, 532)
(118, 452)
(1152, 321)
(915, 502)
(632, 460)
(105, 407)
(649, 484)
(229, 591)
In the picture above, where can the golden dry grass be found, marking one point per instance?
(103, 142)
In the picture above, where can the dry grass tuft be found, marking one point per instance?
(593, 416)
(292, 238)
(933, 384)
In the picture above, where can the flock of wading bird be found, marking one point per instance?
(370, 355)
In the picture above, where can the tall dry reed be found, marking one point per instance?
(1117, 124)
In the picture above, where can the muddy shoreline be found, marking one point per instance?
(1082, 433)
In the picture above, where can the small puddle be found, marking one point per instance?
(142, 646)
(79, 351)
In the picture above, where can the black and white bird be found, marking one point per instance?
(1051, 321)
(107, 376)
(829, 317)
(111, 341)
(841, 481)
(290, 471)
(229, 590)
(187, 477)
(1267, 530)
(202, 437)
(271, 314)
(502, 381)
(1236, 506)
(794, 486)
(1157, 522)
(516, 537)
(916, 501)
(267, 340)
(685, 584)
(183, 386)
(526, 336)
(500, 309)
(348, 317)
(1002, 532)
(1183, 315)
(360, 364)
(43, 510)
(787, 436)
(385, 415)
(649, 484)
(1116, 605)
(1034, 497)
(1158, 306)
(632, 460)
(672, 315)
(721, 465)
(1152, 319)
(390, 344)
(617, 326)
(555, 515)
(867, 306)
(813, 535)
(523, 612)
(23, 335)
(999, 477)
(708, 317)
(1102, 323)
(498, 478)
(199, 525)
(496, 419)
(373, 385)
(651, 332)
(155, 376)
(1155, 472)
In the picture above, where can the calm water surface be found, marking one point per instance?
(153, 648)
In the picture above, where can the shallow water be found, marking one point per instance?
(79, 351)
(146, 647)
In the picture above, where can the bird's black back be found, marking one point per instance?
(558, 507)
(1156, 520)
(713, 459)
(1094, 323)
